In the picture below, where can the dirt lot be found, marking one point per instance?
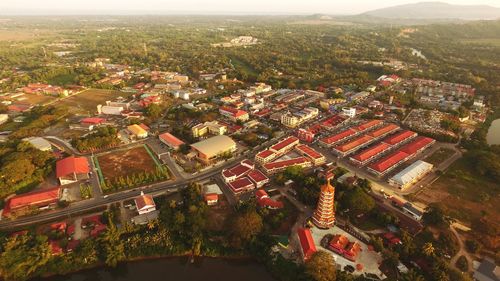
(89, 99)
(126, 162)
(439, 156)
(464, 195)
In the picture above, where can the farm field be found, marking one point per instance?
(127, 162)
(133, 167)
(89, 99)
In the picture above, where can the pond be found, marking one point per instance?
(493, 136)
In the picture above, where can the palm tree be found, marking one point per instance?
(428, 249)
(411, 275)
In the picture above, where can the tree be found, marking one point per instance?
(245, 227)
(23, 256)
(434, 215)
(321, 267)
(411, 275)
(359, 201)
(154, 111)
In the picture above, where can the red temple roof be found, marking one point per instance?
(306, 242)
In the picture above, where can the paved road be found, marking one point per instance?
(91, 204)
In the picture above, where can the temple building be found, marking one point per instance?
(324, 215)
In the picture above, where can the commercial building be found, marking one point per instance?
(265, 156)
(383, 131)
(307, 246)
(171, 141)
(24, 203)
(400, 138)
(212, 127)
(213, 148)
(368, 125)
(337, 138)
(72, 169)
(281, 165)
(388, 163)
(349, 112)
(234, 114)
(353, 145)
(417, 145)
(315, 157)
(241, 185)
(369, 154)
(411, 174)
(293, 120)
(276, 150)
(137, 131)
(237, 171)
(305, 135)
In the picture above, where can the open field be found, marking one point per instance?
(463, 195)
(89, 99)
(126, 162)
(24, 34)
(439, 156)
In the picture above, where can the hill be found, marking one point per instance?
(437, 10)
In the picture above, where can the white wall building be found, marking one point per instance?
(411, 174)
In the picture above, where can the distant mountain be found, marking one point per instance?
(437, 10)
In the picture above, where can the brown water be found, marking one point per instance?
(174, 269)
(493, 136)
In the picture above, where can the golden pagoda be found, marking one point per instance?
(324, 215)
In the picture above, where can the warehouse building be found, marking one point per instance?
(411, 174)
(213, 148)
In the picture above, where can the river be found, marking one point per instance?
(493, 136)
(174, 269)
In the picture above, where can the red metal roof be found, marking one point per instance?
(370, 152)
(337, 137)
(417, 144)
(236, 171)
(354, 143)
(260, 193)
(72, 164)
(37, 198)
(265, 153)
(384, 130)
(310, 152)
(285, 163)
(387, 162)
(211, 197)
(399, 137)
(284, 143)
(144, 200)
(241, 183)
(306, 242)
(367, 125)
(257, 176)
(92, 120)
(267, 202)
(171, 139)
(233, 111)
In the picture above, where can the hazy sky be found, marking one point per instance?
(206, 6)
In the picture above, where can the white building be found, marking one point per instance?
(145, 204)
(3, 118)
(349, 112)
(39, 143)
(411, 174)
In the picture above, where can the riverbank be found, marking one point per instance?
(174, 268)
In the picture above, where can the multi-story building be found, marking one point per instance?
(234, 114)
(292, 120)
(212, 127)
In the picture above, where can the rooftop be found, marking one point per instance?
(70, 165)
(214, 145)
(171, 139)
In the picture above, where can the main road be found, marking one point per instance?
(94, 203)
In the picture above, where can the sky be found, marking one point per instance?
(207, 6)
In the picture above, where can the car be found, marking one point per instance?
(349, 268)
